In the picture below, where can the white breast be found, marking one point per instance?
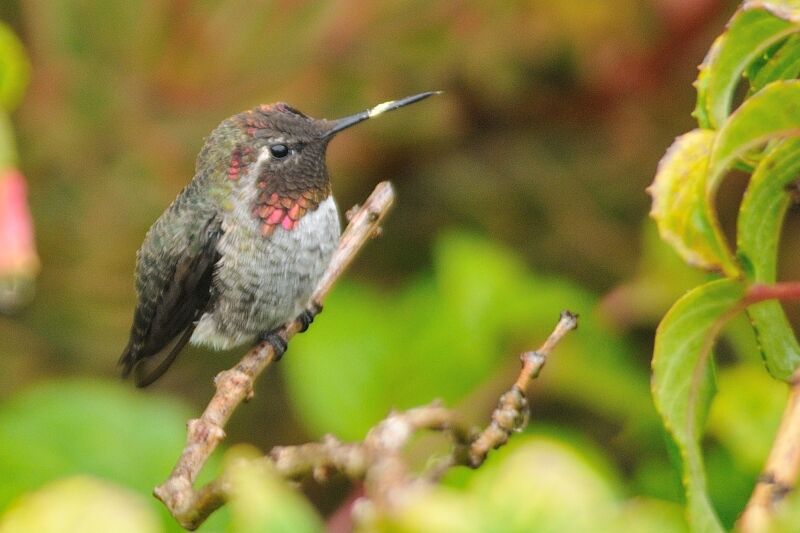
(259, 282)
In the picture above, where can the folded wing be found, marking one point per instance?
(174, 288)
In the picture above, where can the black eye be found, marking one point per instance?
(279, 151)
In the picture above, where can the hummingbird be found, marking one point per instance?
(242, 247)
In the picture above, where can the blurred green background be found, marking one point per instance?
(520, 193)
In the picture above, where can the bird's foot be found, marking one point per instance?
(275, 336)
(277, 342)
(307, 316)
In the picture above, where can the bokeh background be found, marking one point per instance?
(521, 192)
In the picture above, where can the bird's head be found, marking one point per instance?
(281, 152)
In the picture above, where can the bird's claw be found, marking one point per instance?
(307, 316)
(277, 342)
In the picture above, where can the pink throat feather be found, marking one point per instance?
(276, 211)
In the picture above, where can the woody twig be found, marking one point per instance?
(378, 460)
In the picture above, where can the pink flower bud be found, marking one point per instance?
(19, 263)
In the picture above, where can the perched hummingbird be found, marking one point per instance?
(242, 247)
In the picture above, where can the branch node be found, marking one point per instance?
(235, 378)
(350, 213)
(330, 440)
(321, 473)
(392, 433)
(203, 431)
(535, 359)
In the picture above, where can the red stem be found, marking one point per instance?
(789, 290)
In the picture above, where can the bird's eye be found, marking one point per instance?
(279, 151)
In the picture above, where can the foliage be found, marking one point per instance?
(442, 336)
(80, 503)
(125, 91)
(569, 493)
(552, 117)
(84, 437)
(757, 136)
(262, 501)
(14, 70)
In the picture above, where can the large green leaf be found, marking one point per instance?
(535, 483)
(441, 336)
(750, 33)
(760, 218)
(683, 382)
(570, 493)
(683, 206)
(745, 414)
(101, 429)
(262, 502)
(81, 503)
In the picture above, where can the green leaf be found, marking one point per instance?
(442, 335)
(783, 64)
(650, 515)
(763, 209)
(750, 33)
(372, 352)
(261, 501)
(683, 382)
(687, 177)
(776, 339)
(431, 509)
(534, 483)
(569, 493)
(759, 227)
(14, 69)
(746, 413)
(102, 429)
(81, 503)
(682, 207)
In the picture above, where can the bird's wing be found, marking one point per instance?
(174, 287)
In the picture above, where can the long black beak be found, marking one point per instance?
(352, 120)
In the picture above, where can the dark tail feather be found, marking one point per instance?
(148, 368)
(143, 372)
(127, 360)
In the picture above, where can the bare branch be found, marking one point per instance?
(781, 471)
(191, 507)
(378, 460)
(512, 409)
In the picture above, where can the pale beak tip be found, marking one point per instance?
(395, 104)
(346, 122)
